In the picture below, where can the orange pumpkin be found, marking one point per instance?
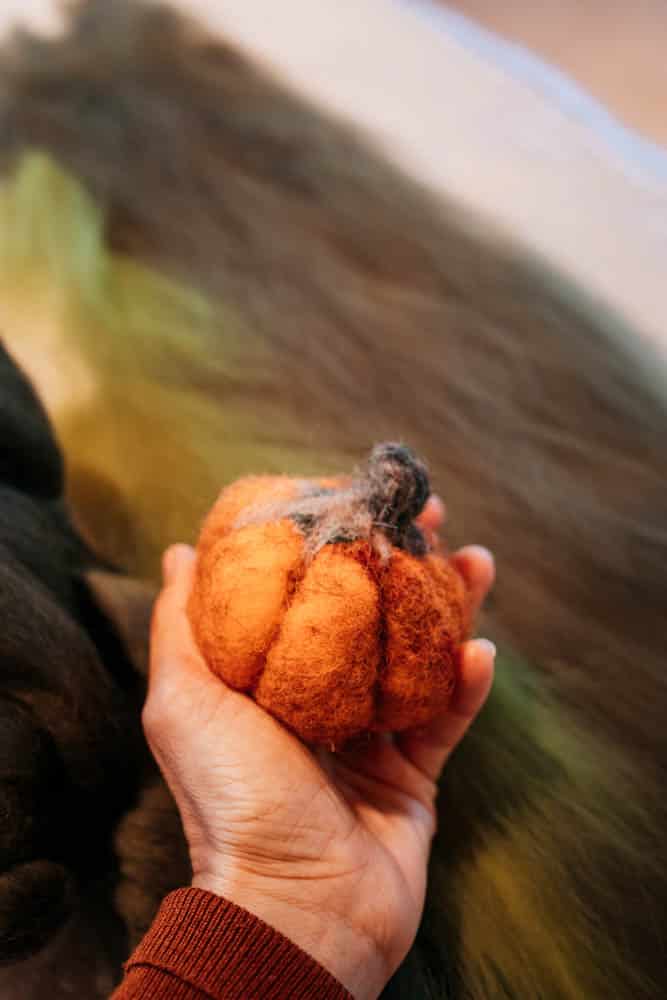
(321, 600)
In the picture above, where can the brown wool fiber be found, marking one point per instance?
(321, 601)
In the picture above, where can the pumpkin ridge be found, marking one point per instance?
(294, 579)
(374, 569)
(298, 706)
(383, 633)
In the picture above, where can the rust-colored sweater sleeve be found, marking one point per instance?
(202, 947)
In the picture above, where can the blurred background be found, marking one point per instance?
(545, 120)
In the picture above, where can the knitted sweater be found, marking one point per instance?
(202, 947)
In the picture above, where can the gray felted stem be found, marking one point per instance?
(398, 489)
(379, 506)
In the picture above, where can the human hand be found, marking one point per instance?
(329, 849)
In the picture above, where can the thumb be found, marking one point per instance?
(179, 680)
(172, 644)
(183, 692)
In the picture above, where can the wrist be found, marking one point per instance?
(320, 927)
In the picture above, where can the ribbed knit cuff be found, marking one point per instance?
(227, 953)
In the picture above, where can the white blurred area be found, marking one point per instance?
(616, 49)
(474, 115)
(40, 15)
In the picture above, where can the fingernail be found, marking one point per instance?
(488, 645)
(175, 557)
(481, 550)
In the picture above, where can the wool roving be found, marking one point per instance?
(323, 600)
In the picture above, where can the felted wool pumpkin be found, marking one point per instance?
(322, 600)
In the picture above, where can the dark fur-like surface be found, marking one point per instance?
(69, 732)
(367, 310)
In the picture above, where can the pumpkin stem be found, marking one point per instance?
(398, 486)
